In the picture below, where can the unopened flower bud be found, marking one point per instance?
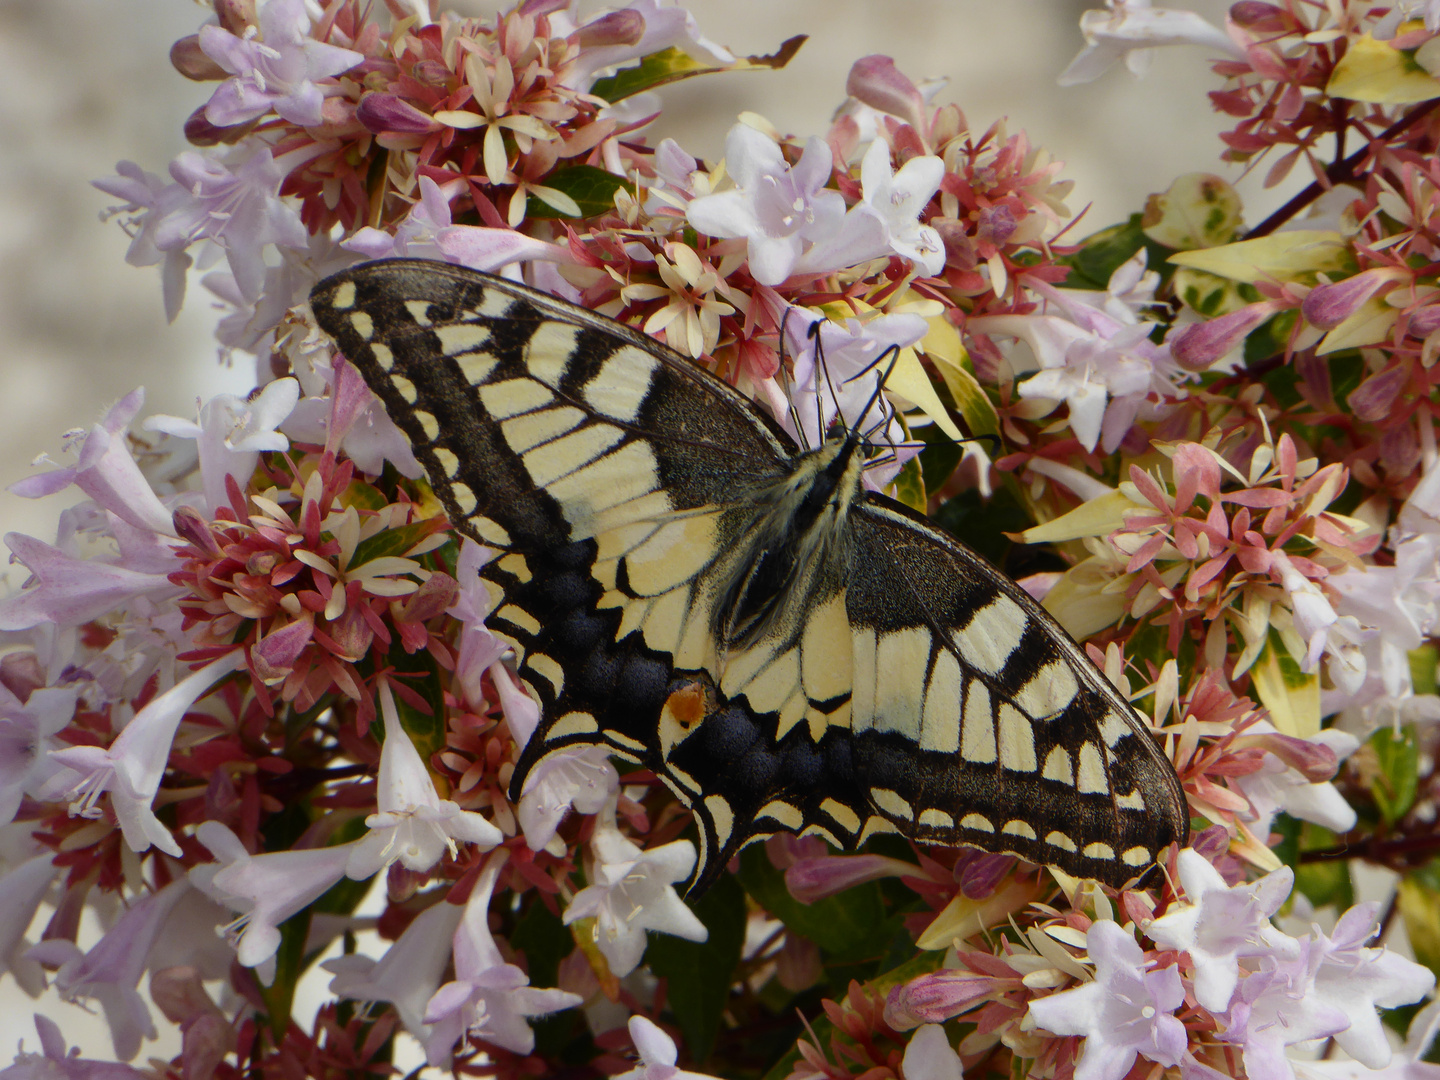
(1200, 345)
(798, 965)
(543, 7)
(935, 998)
(235, 15)
(982, 875)
(825, 875)
(1257, 15)
(274, 656)
(623, 27)
(1373, 399)
(878, 83)
(190, 525)
(1424, 321)
(431, 599)
(1327, 306)
(379, 112)
(199, 131)
(190, 60)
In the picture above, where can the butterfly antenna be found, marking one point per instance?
(894, 353)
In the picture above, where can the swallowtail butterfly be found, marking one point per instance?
(687, 588)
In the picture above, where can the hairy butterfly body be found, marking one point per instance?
(686, 588)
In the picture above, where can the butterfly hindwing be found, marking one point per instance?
(686, 588)
(976, 720)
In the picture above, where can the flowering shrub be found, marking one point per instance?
(254, 721)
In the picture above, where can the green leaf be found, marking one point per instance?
(426, 730)
(845, 925)
(544, 940)
(702, 972)
(1398, 755)
(1325, 881)
(393, 542)
(1423, 662)
(910, 486)
(1420, 906)
(592, 189)
(671, 65)
(1102, 253)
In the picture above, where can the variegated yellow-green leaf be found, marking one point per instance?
(1096, 517)
(1078, 603)
(1368, 326)
(942, 345)
(1372, 71)
(1208, 294)
(672, 65)
(1290, 256)
(1292, 696)
(910, 486)
(1200, 210)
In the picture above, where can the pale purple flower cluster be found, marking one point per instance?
(1266, 990)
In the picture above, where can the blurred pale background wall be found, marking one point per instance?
(85, 83)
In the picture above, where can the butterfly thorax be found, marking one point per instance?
(795, 554)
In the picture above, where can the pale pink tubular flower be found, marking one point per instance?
(578, 776)
(21, 890)
(657, 1054)
(1127, 1011)
(277, 71)
(929, 1056)
(409, 973)
(633, 892)
(899, 197)
(1129, 29)
(1277, 785)
(488, 999)
(68, 591)
(414, 826)
(148, 201)
(665, 26)
(27, 735)
(54, 1062)
(267, 889)
(236, 203)
(1219, 925)
(1358, 981)
(131, 767)
(111, 971)
(427, 233)
(779, 210)
(107, 473)
(230, 434)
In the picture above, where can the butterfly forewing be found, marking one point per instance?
(672, 595)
